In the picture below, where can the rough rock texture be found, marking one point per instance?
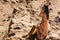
(17, 17)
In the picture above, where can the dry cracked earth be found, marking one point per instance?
(17, 17)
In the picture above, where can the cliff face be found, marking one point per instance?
(17, 17)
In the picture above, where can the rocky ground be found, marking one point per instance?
(17, 17)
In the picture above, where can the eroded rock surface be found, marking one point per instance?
(17, 17)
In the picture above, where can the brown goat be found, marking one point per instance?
(41, 29)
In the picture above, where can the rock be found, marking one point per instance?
(17, 17)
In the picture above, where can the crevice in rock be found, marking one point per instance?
(13, 2)
(10, 26)
(20, 1)
(50, 8)
(14, 11)
(5, 0)
(28, 1)
(17, 28)
(8, 32)
(8, 18)
(12, 34)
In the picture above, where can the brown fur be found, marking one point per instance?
(42, 28)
